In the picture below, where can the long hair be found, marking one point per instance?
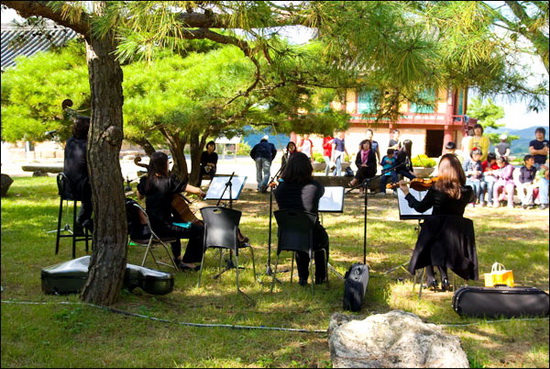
(298, 169)
(451, 176)
(363, 142)
(407, 147)
(158, 167)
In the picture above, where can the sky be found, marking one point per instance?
(516, 115)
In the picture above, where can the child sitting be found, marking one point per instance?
(388, 162)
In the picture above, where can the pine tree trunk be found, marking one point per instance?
(108, 261)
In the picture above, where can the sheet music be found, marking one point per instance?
(405, 211)
(332, 200)
(217, 186)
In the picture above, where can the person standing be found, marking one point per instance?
(158, 188)
(479, 141)
(306, 146)
(375, 147)
(263, 154)
(209, 161)
(290, 149)
(539, 147)
(327, 153)
(75, 167)
(395, 143)
(338, 151)
(298, 190)
(503, 147)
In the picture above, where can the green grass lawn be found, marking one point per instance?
(41, 330)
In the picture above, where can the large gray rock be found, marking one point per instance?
(393, 340)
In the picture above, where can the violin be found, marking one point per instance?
(418, 184)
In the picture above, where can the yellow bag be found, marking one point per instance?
(499, 275)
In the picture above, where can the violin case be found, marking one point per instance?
(500, 301)
(70, 277)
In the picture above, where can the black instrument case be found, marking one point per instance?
(500, 301)
(355, 286)
(70, 277)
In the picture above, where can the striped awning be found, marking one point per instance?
(24, 41)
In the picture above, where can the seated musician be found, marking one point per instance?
(158, 188)
(298, 190)
(445, 241)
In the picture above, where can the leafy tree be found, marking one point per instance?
(33, 92)
(488, 113)
(395, 51)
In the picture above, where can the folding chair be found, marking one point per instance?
(220, 231)
(295, 233)
(141, 234)
(67, 193)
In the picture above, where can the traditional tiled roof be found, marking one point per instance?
(25, 41)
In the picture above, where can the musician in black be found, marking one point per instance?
(298, 190)
(209, 162)
(403, 162)
(446, 238)
(159, 188)
(75, 167)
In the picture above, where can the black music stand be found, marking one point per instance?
(407, 213)
(268, 270)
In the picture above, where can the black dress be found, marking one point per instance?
(446, 238)
(75, 167)
(306, 197)
(158, 200)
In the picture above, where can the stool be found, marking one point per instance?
(66, 193)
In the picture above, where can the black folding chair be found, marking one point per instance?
(295, 233)
(220, 231)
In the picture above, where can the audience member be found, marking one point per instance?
(474, 175)
(542, 183)
(375, 147)
(290, 149)
(525, 184)
(366, 164)
(450, 148)
(327, 153)
(465, 144)
(504, 186)
(388, 162)
(338, 151)
(263, 154)
(395, 143)
(209, 162)
(539, 147)
(306, 146)
(503, 147)
(479, 141)
(403, 160)
(490, 173)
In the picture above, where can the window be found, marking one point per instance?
(365, 102)
(428, 95)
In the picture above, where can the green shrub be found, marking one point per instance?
(243, 149)
(423, 161)
(318, 157)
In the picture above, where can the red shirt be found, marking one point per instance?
(486, 167)
(327, 146)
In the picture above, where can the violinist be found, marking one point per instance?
(158, 188)
(443, 246)
(298, 190)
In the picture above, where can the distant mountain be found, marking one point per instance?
(519, 147)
